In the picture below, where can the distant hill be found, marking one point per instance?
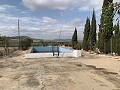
(65, 40)
(17, 37)
(62, 40)
(38, 40)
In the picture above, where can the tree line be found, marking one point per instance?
(108, 40)
(6, 41)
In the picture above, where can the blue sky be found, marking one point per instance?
(44, 19)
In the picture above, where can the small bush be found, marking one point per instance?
(78, 46)
(26, 43)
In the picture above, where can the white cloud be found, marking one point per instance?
(76, 23)
(91, 4)
(116, 1)
(5, 8)
(82, 5)
(62, 4)
(47, 4)
(48, 20)
(35, 28)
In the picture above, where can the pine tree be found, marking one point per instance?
(92, 35)
(74, 39)
(86, 35)
(106, 27)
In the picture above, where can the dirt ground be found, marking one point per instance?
(91, 72)
(11, 50)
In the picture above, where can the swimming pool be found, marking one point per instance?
(50, 51)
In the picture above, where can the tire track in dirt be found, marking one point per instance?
(113, 77)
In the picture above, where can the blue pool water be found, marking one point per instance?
(50, 49)
(64, 50)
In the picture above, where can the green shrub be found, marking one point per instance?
(26, 43)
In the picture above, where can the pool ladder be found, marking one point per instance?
(54, 52)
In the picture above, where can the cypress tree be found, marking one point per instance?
(86, 35)
(106, 27)
(74, 39)
(118, 50)
(116, 39)
(92, 35)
